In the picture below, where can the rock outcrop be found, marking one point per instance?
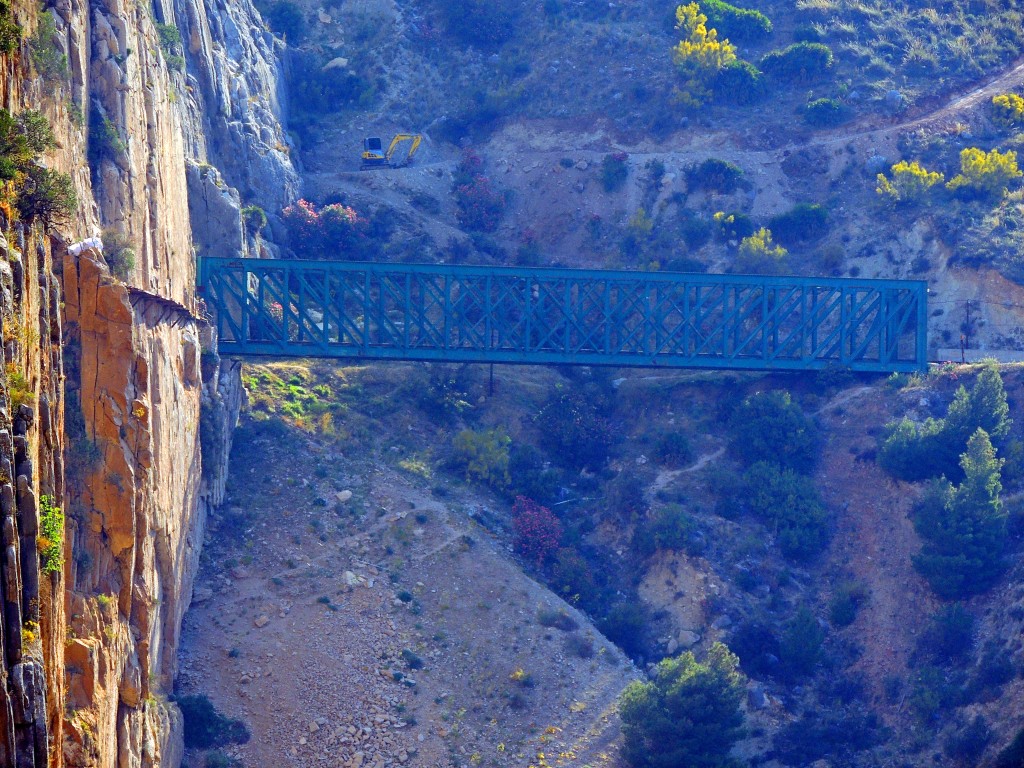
(235, 99)
(143, 124)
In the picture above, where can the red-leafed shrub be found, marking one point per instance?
(537, 531)
(479, 206)
(334, 231)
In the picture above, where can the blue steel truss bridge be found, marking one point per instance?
(438, 313)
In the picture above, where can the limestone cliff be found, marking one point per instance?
(134, 127)
(31, 488)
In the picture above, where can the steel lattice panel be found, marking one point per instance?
(588, 317)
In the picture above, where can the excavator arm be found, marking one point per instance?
(400, 138)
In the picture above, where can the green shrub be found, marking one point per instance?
(694, 230)
(799, 62)
(482, 23)
(10, 32)
(948, 637)
(572, 579)
(713, 175)
(912, 451)
(443, 393)
(37, 131)
(254, 218)
(552, 618)
(846, 601)
(738, 24)
(119, 255)
(573, 431)
(934, 690)
(315, 92)
(51, 536)
(45, 51)
(47, 195)
(790, 507)
(803, 223)
(22, 138)
(733, 226)
(822, 735)
(995, 669)
(624, 496)
(581, 646)
(672, 449)
(170, 42)
(668, 527)
(769, 426)
(287, 21)
(529, 476)
(800, 646)
(740, 83)
(614, 171)
(963, 528)
(483, 456)
(807, 33)
(757, 647)
(822, 113)
(169, 36)
(218, 759)
(687, 715)
(104, 140)
(967, 744)
(83, 457)
(19, 388)
(627, 625)
(205, 727)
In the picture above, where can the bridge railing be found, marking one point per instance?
(348, 310)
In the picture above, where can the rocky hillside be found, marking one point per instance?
(562, 133)
(356, 530)
(591, 159)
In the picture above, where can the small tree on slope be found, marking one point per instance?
(964, 527)
(688, 716)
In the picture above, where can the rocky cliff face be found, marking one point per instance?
(142, 141)
(31, 488)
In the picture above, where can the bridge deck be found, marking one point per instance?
(372, 311)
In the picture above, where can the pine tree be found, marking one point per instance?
(964, 527)
(918, 451)
(688, 716)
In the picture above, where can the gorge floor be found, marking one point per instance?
(351, 618)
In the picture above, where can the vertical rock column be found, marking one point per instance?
(135, 375)
(32, 628)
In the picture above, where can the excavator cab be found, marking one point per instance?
(374, 155)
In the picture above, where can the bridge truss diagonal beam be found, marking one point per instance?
(440, 313)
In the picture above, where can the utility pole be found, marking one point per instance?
(967, 325)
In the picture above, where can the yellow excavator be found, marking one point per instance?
(375, 156)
